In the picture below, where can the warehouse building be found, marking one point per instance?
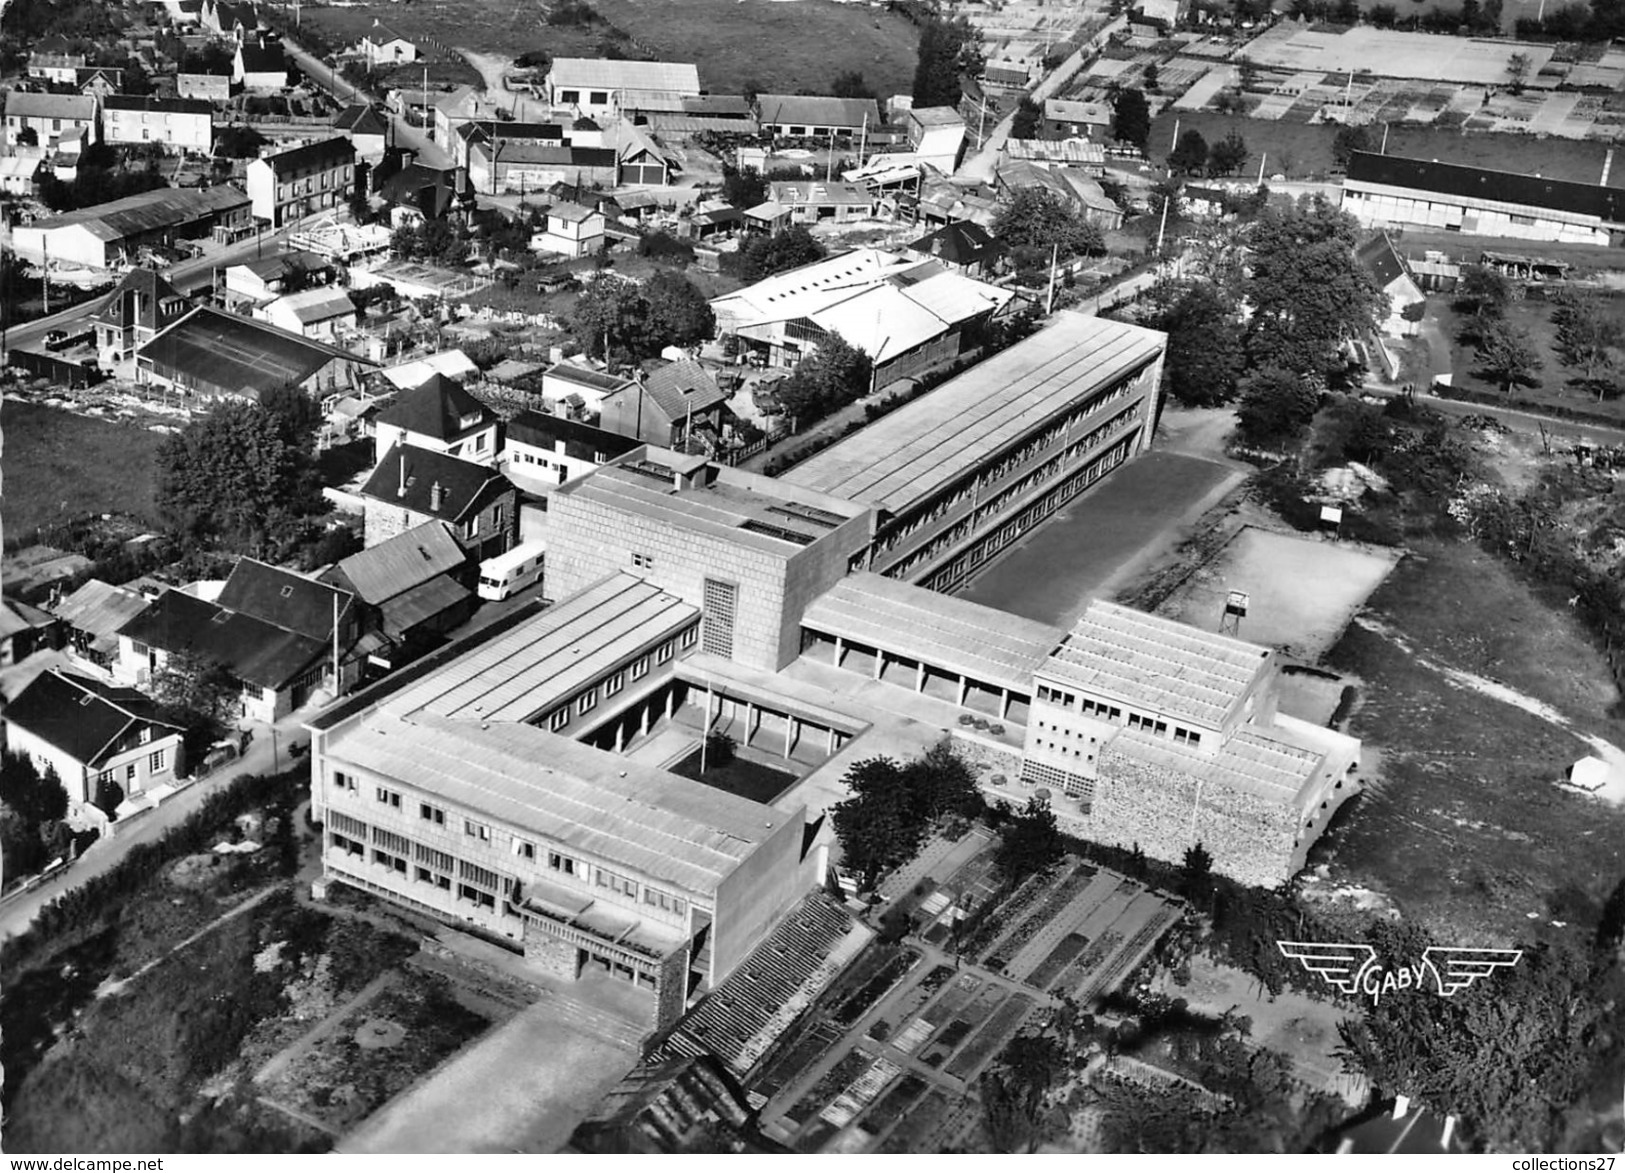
(102, 236)
(1386, 191)
(963, 471)
(215, 354)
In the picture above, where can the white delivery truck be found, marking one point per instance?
(508, 574)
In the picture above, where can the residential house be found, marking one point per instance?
(1064, 118)
(812, 202)
(596, 87)
(214, 354)
(267, 278)
(49, 116)
(365, 127)
(1406, 302)
(413, 587)
(91, 617)
(101, 235)
(260, 65)
(667, 406)
(384, 48)
(1166, 14)
(570, 230)
(176, 124)
(541, 451)
(235, 22)
(58, 68)
(1203, 203)
(936, 135)
(1010, 73)
(99, 81)
(24, 629)
(207, 87)
(19, 173)
(278, 633)
(1072, 185)
(424, 192)
(302, 181)
(106, 743)
(413, 486)
(323, 313)
(438, 415)
(963, 246)
(578, 391)
(416, 371)
(803, 116)
(141, 306)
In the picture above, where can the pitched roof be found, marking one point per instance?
(360, 118)
(1380, 260)
(438, 408)
(18, 616)
(464, 485)
(316, 305)
(682, 386)
(811, 191)
(962, 242)
(213, 347)
(581, 441)
(281, 597)
(936, 116)
(403, 562)
(424, 601)
(83, 717)
(99, 608)
(267, 58)
(1063, 110)
(588, 73)
(148, 211)
(21, 104)
(382, 34)
(152, 289)
(146, 104)
(253, 650)
(807, 110)
(326, 153)
(571, 213)
(1507, 187)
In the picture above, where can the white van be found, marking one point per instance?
(509, 573)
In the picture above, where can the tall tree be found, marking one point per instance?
(1307, 289)
(1228, 154)
(1036, 217)
(1206, 353)
(875, 826)
(833, 375)
(1030, 841)
(1507, 355)
(1588, 335)
(851, 84)
(1014, 1090)
(1025, 123)
(767, 255)
(948, 50)
(1482, 292)
(1190, 153)
(1131, 118)
(939, 783)
(237, 476)
(1518, 67)
(610, 311)
(676, 313)
(1276, 405)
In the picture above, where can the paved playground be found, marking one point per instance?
(1390, 53)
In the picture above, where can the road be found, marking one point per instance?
(17, 913)
(417, 138)
(1528, 423)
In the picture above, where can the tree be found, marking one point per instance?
(1025, 123)
(1384, 16)
(1276, 405)
(197, 692)
(1206, 352)
(851, 84)
(28, 137)
(1013, 1093)
(948, 50)
(743, 188)
(834, 374)
(876, 828)
(1190, 153)
(1228, 154)
(31, 803)
(940, 783)
(767, 255)
(1030, 842)
(1196, 876)
(1587, 336)
(1308, 290)
(1131, 118)
(610, 313)
(1507, 354)
(1036, 217)
(298, 413)
(1152, 79)
(1482, 292)
(675, 312)
(237, 477)
(1518, 67)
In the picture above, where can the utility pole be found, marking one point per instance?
(45, 271)
(1054, 256)
(1384, 149)
(1163, 227)
(1261, 161)
(1175, 143)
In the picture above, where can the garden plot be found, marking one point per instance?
(1302, 592)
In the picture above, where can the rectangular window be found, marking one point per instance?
(155, 761)
(559, 719)
(129, 772)
(343, 781)
(587, 701)
(640, 667)
(561, 863)
(616, 883)
(476, 830)
(642, 561)
(599, 97)
(615, 683)
(663, 652)
(432, 814)
(388, 797)
(524, 850)
(689, 637)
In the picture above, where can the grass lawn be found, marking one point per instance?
(60, 466)
(1553, 388)
(1300, 150)
(741, 776)
(784, 47)
(1467, 830)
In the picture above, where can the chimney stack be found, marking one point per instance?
(437, 497)
(401, 492)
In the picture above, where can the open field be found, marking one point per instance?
(59, 465)
(1466, 827)
(1299, 149)
(782, 47)
(1302, 591)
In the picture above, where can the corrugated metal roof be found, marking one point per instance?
(99, 608)
(402, 562)
(612, 808)
(919, 448)
(990, 646)
(422, 602)
(316, 305)
(528, 670)
(810, 110)
(148, 211)
(1161, 666)
(593, 73)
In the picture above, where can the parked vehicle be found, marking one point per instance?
(508, 574)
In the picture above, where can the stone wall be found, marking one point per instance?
(1250, 838)
(557, 957)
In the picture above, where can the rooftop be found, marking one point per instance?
(281, 597)
(937, 116)
(1167, 668)
(594, 73)
(742, 508)
(1507, 187)
(1380, 260)
(316, 305)
(149, 105)
(529, 669)
(252, 649)
(682, 386)
(22, 104)
(415, 372)
(670, 829)
(327, 153)
(810, 111)
(463, 485)
(925, 445)
(402, 562)
(360, 118)
(597, 380)
(213, 347)
(153, 293)
(1063, 110)
(961, 243)
(148, 211)
(84, 717)
(99, 608)
(581, 441)
(1249, 760)
(438, 407)
(941, 630)
(811, 191)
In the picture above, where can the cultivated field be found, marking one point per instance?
(60, 466)
(1302, 591)
(780, 47)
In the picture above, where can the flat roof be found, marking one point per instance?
(532, 667)
(987, 645)
(925, 445)
(660, 825)
(742, 508)
(1168, 668)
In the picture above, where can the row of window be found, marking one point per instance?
(585, 702)
(157, 762)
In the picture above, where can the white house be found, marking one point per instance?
(102, 740)
(592, 87)
(1405, 297)
(302, 181)
(321, 313)
(49, 116)
(571, 230)
(260, 65)
(20, 172)
(383, 47)
(176, 124)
